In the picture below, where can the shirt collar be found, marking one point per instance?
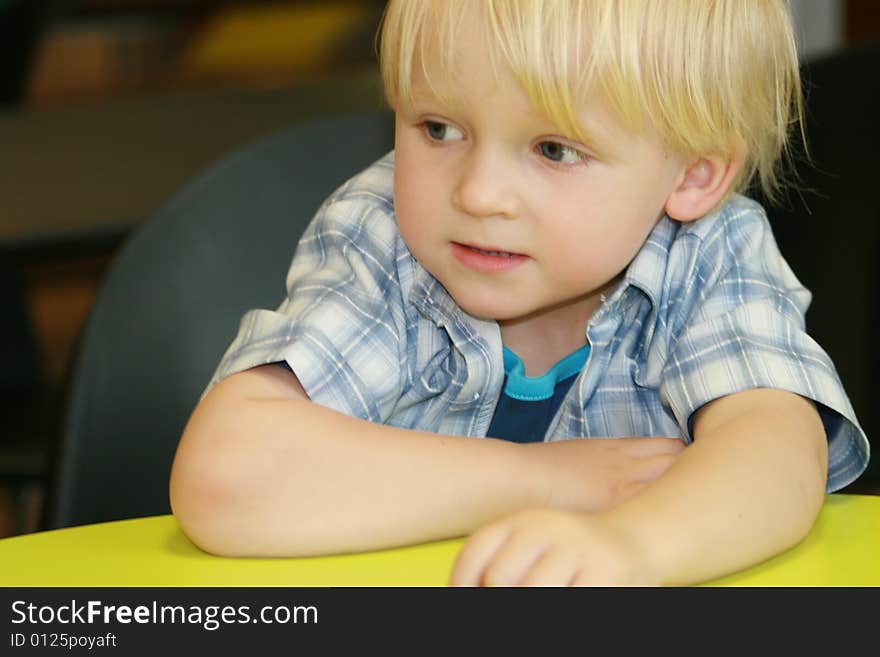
(431, 299)
(647, 270)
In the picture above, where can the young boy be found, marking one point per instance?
(555, 250)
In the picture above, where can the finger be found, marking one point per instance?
(554, 568)
(582, 578)
(590, 577)
(587, 576)
(513, 560)
(476, 553)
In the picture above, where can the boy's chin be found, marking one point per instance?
(490, 310)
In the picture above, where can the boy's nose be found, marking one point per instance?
(485, 186)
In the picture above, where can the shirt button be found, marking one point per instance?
(476, 396)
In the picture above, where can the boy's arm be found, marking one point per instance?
(749, 487)
(263, 471)
(751, 490)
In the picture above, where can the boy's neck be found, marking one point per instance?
(544, 338)
(540, 345)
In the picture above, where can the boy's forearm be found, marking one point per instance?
(749, 487)
(286, 477)
(263, 471)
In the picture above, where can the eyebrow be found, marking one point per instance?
(599, 147)
(422, 92)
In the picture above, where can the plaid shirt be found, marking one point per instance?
(705, 309)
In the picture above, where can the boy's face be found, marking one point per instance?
(520, 223)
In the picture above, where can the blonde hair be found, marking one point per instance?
(708, 76)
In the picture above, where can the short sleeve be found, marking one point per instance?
(341, 327)
(741, 326)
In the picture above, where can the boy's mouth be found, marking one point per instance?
(489, 252)
(486, 260)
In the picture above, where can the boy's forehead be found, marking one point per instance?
(463, 62)
(443, 68)
(457, 33)
(451, 56)
(597, 128)
(447, 52)
(470, 74)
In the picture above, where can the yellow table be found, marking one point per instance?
(843, 549)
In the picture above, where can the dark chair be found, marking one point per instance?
(830, 231)
(171, 303)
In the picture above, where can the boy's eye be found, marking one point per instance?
(561, 153)
(442, 131)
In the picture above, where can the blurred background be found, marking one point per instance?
(108, 106)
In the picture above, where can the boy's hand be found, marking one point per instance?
(546, 547)
(594, 474)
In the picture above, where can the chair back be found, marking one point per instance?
(171, 303)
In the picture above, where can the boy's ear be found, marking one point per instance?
(702, 184)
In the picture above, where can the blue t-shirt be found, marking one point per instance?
(528, 403)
